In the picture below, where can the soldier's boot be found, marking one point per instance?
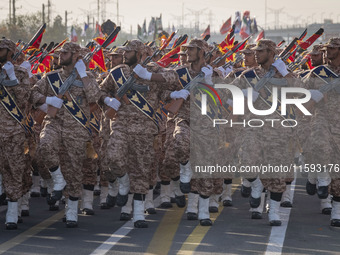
(123, 190)
(149, 206)
(323, 181)
(20, 220)
(185, 177)
(179, 196)
(12, 215)
(138, 212)
(2, 192)
(43, 188)
(35, 189)
(256, 191)
(311, 186)
(104, 192)
(97, 190)
(87, 200)
(58, 185)
(125, 213)
(165, 194)
(172, 193)
(72, 212)
(226, 194)
(286, 200)
(256, 213)
(326, 205)
(192, 207)
(113, 192)
(245, 188)
(273, 215)
(213, 203)
(335, 216)
(25, 205)
(203, 211)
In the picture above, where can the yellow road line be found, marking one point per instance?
(30, 232)
(197, 235)
(162, 238)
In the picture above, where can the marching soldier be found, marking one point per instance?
(322, 145)
(257, 146)
(65, 137)
(14, 91)
(130, 147)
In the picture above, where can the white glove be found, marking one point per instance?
(316, 95)
(208, 71)
(43, 107)
(54, 101)
(142, 72)
(183, 93)
(27, 66)
(9, 68)
(281, 67)
(81, 68)
(255, 94)
(226, 71)
(112, 102)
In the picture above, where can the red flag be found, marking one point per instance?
(74, 36)
(280, 43)
(171, 56)
(58, 46)
(260, 36)
(206, 32)
(226, 26)
(228, 42)
(99, 30)
(309, 62)
(311, 40)
(36, 40)
(99, 60)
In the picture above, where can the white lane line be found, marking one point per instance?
(277, 234)
(119, 234)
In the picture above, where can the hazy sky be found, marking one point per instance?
(214, 12)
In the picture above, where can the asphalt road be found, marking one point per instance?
(304, 231)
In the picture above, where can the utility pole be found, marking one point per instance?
(65, 23)
(276, 14)
(43, 13)
(117, 12)
(48, 13)
(14, 19)
(98, 11)
(182, 25)
(265, 14)
(10, 13)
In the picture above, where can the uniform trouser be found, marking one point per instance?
(158, 158)
(13, 165)
(170, 166)
(132, 154)
(68, 152)
(91, 165)
(207, 186)
(182, 141)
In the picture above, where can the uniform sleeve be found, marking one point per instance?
(39, 92)
(92, 90)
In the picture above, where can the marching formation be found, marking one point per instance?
(74, 129)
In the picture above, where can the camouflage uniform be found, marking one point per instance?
(130, 146)
(322, 146)
(12, 135)
(63, 140)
